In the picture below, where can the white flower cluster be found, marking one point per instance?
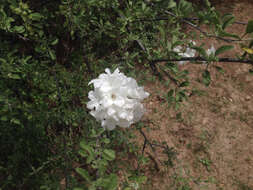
(189, 52)
(116, 100)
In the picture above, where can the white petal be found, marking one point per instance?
(111, 111)
(107, 71)
(119, 101)
(92, 104)
(116, 71)
(106, 102)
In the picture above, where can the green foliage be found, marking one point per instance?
(206, 77)
(249, 28)
(223, 49)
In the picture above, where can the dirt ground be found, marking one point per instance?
(212, 132)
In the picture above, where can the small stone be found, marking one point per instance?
(247, 98)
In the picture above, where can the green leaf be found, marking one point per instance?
(84, 174)
(3, 118)
(200, 50)
(35, 16)
(172, 4)
(113, 182)
(222, 49)
(109, 154)
(222, 33)
(52, 54)
(2, 60)
(16, 121)
(86, 147)
(185, 7)
(206, 77)
(170, 93)
(228, 22)
(106, 141)
(54, 42)
(249, 28)
(13, 76)
(19, 29)
(110, 182)
(184, 84)
(207, 3)
(83, 153)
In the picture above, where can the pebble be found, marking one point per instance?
(247, 98)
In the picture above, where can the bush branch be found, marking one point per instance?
(204, 32)
(224, 59)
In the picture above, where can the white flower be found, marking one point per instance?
(189, 52)
(116, 100)
(211, 51)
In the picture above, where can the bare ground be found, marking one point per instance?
(212, 132)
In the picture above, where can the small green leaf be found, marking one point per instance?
(13, 76)
(170, 93)
(109, 154)
(110, 182)
(106, 141)
(222, 49)
(2, 60)
(52, 54)
(3, 118)
(206, 77)
(249, 28)
(185, 7)
(228, 22)
(83, 153)
(84, 174)
(86, 147)
(16, 121)
(90, 158)
(54, 42)
(222, 33)
(35, 16)
(207, 3)
(184, 84)
(200, 50)
(19, 29)
(172, 4)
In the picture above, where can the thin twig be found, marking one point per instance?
(225, 59)
(152, 145)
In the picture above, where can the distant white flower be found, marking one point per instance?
(211, 51)
(116, 100)
(189, 52)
